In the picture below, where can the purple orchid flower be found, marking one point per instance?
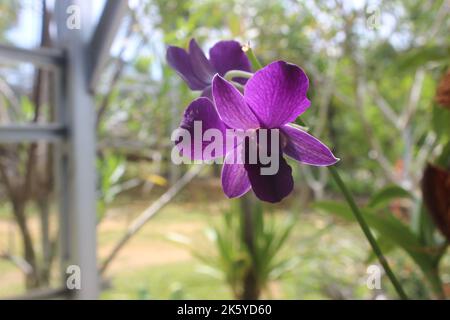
(197, 71)
(273, 97)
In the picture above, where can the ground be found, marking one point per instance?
(151, 266)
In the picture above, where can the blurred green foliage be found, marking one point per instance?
(232, 260)
(416, 236)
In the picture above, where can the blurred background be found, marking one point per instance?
(168, 232)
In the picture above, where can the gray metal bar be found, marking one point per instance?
(31, 133)
(45, 293)
(48, 58)
(53, 293)
(81, 143)
(103, 38)
(61, 175)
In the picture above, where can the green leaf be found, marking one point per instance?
(336, 208)
(392, 230)
(387, 194)
(420, 56)
(425, 227)
(444, 159)
(143, 63)
(440, 120)
(27, 107)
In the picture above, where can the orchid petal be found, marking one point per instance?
(207, 93)
(228, 55)
(231, 106)
(271, 188)
(200, 64)
(305, 148)
(235, 182)
(180, 61)
(277, 93)
(202, 111)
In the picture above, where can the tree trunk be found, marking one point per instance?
(31, 278)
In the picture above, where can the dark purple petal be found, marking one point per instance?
(271, 188)
(228, 55)
(180, 61)
(231, 106)
(200, 64)
(235, 182)
(202, 110)
(305, 148)
(277, 93)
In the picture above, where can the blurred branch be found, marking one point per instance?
(351, 47)
(19, 262)
(133, 149)
(150, 212)
(316, 184)
(426, 149)
(422, 156)
(367, 126)
(328, 88)
(407, 115)
(120, 63)
(10, 96)
(384, 106)
(414, 97)
(439, 19)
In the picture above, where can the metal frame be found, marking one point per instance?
(32, 133)
(41, 57)
(77, 64)
(103, 38)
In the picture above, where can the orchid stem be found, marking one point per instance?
(365, 228)
(256, 65)
(237, 74)
(238, 86)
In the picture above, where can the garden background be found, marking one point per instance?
(374, 68)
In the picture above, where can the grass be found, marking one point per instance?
(169, 281)
(325, 257)
(332, 256)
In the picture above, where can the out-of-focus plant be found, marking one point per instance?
(26, 168)
(111, 168)
(415, 234)
(413, 229)
(233, 261)
(176, 292)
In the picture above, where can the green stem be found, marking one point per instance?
(237, 74)
(238, 86)
(365, 228)
(256, 65)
